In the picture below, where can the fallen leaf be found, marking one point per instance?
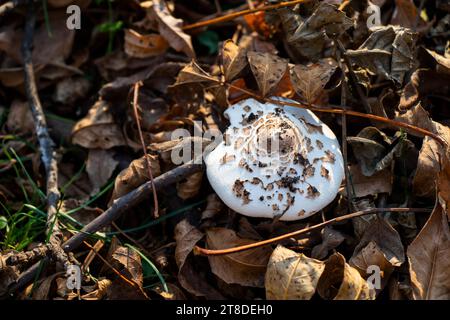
(380, 246)
(340, 281)
(389, 52)
(361, 185)
(143, 46)
(429, 259)
(71, 89)
(291, 276)
(310, 80)
(136, 174)
(99, 166)
(234, 60)
(20, 119)
(190, 188)
(246, 268)
(193, 73)
(128, 262)
(424, 182)
(170, 28)
(331, 238)
(405, 14)
(268, 70)
(312, 34)
(187, 236)
(98, 129)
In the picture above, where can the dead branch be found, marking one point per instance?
(320, 226)
(119, 206)
(48, 155)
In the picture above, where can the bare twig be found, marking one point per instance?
(234, 15)
(48, 155)
(118, 207)
(202, 251)
(144, 148)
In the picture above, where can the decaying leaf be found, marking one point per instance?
(268, 70)
(380, 182)
(193, 73)
(234, 60)
(187, 236)
(170, 28)
(331, 238)
(213, 206)
(312, 34)
(429, 259)
(246, 268)
(98, 129)
(389, 51)
(424, 183)
(136, 174)
(340, 281)
(380, 246)
(143, 46)
(191, 186)
(310, 80)
(291, 276)
(100, 165)
(128, 262)
(20, 119)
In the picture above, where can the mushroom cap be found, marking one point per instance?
(275, 161)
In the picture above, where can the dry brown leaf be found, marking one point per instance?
(380, 182)
(429, 259)
(310, 80)
(128, 262)
(135, 175)
(20, 119)
(43, 289)
(99, 166)
(245, 268)
(380, 246)
(442, 63)
(268, 70)
(213, 206)
(68, 90)
(234, 60)
(330, 240)
(291, 276)
(193, 73)
(190, 187)
(138, 45)
(170, 28)
(424, 183)
(405, 14)
(98, 129)
(340, 281)
(312, 34)
(100, 292)
(187, 236)
(389, 52)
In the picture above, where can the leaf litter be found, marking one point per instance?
(324, 55)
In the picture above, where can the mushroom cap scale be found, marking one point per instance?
(275, 161)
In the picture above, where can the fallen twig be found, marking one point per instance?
(207, 252)
(234, 15)
(118, 207)
(144, 148)
(48, 155)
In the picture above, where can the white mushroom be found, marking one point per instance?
(275, 161)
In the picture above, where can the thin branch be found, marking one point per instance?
(144, 148)
(207, 252)
(234, 15)
(119, 206)
(48, 155)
